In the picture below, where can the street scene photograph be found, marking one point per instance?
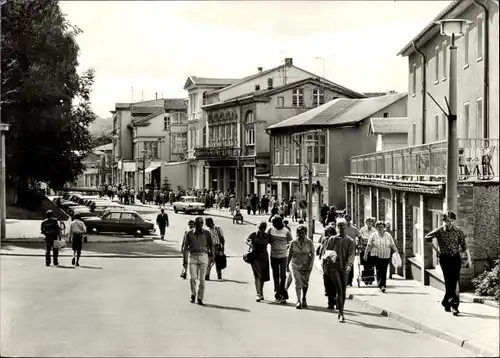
(249, 178)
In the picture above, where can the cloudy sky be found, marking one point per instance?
(153, 46)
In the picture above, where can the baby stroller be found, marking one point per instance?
(238, 218)
(366, 271)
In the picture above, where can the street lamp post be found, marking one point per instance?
(4, 127)
(310, 145)
(143, 152)
(452, 27)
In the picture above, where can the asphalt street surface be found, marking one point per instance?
(140, 307)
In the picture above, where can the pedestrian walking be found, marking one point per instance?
(366, 231)
(218, 242)
(381, 246)
(185, 254)
(162, 222)
(51, 230)
(301, 260)
(258, 242)
(339, 252)
(330, 292)
(77, 230)
(354, 234)
(199, 244)
(450, 240)
(279, 238)
(232, 205)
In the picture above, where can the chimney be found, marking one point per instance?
(259, 69)
(257, 87)
(270, 83)
(288, 61)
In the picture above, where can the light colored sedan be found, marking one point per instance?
(189, 204)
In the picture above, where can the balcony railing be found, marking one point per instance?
(477, 158)
(217, 152)
(249, 150)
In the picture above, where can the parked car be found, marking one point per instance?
(72, 210)
(119, 221)
(99, 208)
(189, 204)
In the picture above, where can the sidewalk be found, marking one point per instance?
(419, 306)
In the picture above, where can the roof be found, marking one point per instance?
(251, 77)
(206, 81)
(340, 111)
(454, 8)
(392, 125)
(177, 104)
(105, 147)
(144, 120)
(151, 105)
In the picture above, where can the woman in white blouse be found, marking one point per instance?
(381, 246)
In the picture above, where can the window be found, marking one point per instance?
(388, 211)
(436, 64)
(114, 216)
(444, 63)
(367, 206)
(234, 134)
(286, 146)
(414, 80)
(479, 118)
(179, 143)
(480, 37)
(296, 157)
(466, 120)
(204, 98)
(442, 127)
(437, 221)
(319, 150)
(436, 126)
(276, 151)
(166, 123)
(414, 133)
(318, 97)
(281, 102)
(386, 114)
(249, 128)
(466, 47)
(151, 149)
(127, 217)
(418, 233)
(204, 143)
(298, 97)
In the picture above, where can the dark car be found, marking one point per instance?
(119, 221)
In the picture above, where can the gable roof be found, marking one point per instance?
(340, 111)
(391, 125)
(176, 104)
(454, 9)
(206, 81)
(146, 119)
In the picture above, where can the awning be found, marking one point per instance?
(152, 167)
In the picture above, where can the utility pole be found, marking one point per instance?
(4, 127)
(310, 190)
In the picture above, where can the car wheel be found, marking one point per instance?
(175, 210)
(139, 232)
(94, 230)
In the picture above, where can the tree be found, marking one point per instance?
(166, 185)
(43, 97)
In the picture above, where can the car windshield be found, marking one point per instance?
(190, 200)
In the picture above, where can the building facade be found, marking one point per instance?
(391, 133)
(407, 186)
(343, 125)
(97, 168)
(197, 88)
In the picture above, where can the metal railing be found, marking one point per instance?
(217, 152)
(477, 157)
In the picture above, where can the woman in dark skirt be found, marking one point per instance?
(258, 242)
(76, 231)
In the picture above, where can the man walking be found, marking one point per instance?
(76, 231)
(218, 241)
(353, 233)
(279, 238)
(450, 240)
(50, 228)
(185, 254)
(199, 244)
(162, 222)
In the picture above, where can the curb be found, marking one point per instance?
(427, 329)
(110, 256)
(41, 240)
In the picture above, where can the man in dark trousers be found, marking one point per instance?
(162, 222)
(50, 228)
(451, 240)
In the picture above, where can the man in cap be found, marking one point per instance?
(50, 228)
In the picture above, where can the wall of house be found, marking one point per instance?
(125, 140)
(494, 119)
(394, 141)
(177, 174)
(470, 79)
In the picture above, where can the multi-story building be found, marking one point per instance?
(407, 186)
(125, 118)
(97, 167)
(342, 126)
(197, 88)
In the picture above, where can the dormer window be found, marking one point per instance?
(298, 97)
(318, 97)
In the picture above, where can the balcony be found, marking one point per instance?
(217, 152)
(478, 160)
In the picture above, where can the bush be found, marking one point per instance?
(487, 283)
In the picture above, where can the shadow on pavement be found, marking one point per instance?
(65, 267)
(376, 326)
(228, 308)
(475, 315)
(405, 293)
(91, 267)
(233, 281)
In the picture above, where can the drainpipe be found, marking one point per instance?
(424, 88)
(486, 68)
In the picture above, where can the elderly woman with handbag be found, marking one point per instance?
(301, 259)
(381, 246)
(258, 258)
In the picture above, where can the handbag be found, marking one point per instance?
(288, 280)
(396, 260)
(59, 244)
(248, 256)
(220, 261)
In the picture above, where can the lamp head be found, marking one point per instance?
(451, 27)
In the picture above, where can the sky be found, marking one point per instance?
(153, 46)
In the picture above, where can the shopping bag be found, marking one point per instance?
(396, 260)
(288, 280)
(59, 244)
(220, 262)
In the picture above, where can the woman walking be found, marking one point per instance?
(366, 231)
(258, 242)
(76, 230)
(381, 246)
(301, 257)
(339, 252)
